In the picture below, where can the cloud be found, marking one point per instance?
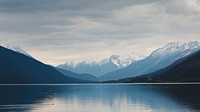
(61, 30)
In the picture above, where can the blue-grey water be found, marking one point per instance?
(100, 98)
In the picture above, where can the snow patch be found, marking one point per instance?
(16, 49)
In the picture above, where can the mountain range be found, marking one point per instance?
(173, 62)
(99, 68)
(183, 70)
(157, 60)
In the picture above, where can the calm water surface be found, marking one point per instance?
(100, 98)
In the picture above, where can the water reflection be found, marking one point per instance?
(100, 98)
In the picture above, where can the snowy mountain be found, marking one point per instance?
(172, 52)
(183, 70)
(157, 60)
(99, 68)
(119, 61)
(16, 49)
(176, 47)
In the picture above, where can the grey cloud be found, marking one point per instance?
(183, 7)
(57, 5)
(56, 13)
(96, 26)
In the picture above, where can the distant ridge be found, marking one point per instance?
(99, 68)
(85, 77)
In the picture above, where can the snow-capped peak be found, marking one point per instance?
(70, 63)
(121, 61)
(176, 47)
(16, 49)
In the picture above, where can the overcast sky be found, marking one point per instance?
(56, 31)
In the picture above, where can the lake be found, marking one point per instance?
(100, 98)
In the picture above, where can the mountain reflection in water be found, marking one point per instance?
(100, 98)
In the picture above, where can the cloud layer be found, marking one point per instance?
(55, 31)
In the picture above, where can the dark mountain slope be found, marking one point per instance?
(18, 68)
